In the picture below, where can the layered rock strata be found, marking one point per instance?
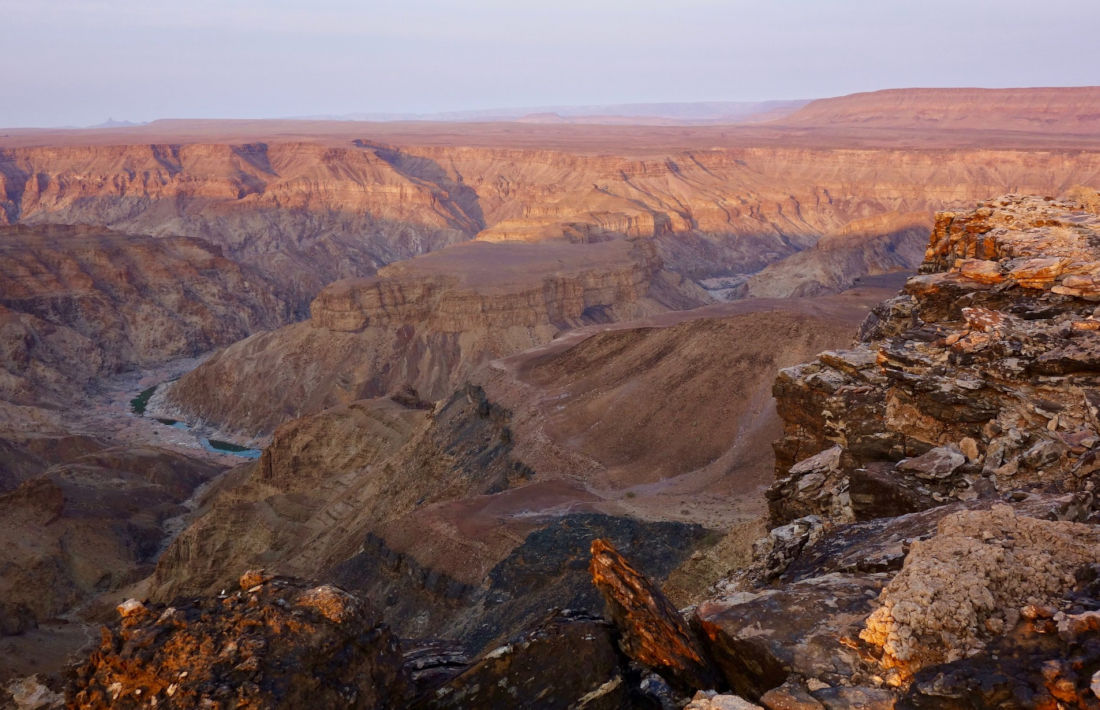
(979, 377)
(310, 209)
(425, 324)
(80, 303)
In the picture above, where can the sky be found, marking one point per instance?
(78, 62)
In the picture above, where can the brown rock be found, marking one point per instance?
(981, 270)
(759, 639)
(253, 578)
(1000, 368)
(968, 583)
(654, 633)
(790, 696)
(564, 662)
(934, 464)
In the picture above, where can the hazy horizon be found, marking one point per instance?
(82, 62)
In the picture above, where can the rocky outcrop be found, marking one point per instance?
(529, 670)
(275, 643)
(548, 568)
(978, 377)
(654, 633)
(935, 489)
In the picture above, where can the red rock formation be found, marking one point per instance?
(337, 205)
(654, 633)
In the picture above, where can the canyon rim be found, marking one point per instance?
(604, 403)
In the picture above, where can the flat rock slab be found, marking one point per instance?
(758, 639)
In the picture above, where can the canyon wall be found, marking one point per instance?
(307, 213)
(472, 517)
(424, 324)
(81, 303)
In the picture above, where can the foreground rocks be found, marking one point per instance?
(935, 540)
(273, 644)
(654, 633)
(278, 642)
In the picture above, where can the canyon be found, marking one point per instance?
(932, 543)
(469, 350)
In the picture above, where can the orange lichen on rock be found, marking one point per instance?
(276, 644)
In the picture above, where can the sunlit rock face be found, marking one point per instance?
(427, 323)
(272, 643)
(979, 377)
(935, 512)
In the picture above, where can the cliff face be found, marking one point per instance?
(936, 487)
(298, 212)
(983, 366)
(306, 213)
(78, 303)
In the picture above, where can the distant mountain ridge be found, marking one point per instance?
(1064, 109)
(658, 113)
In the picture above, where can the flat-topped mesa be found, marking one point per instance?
(426, 324)
(479, 285)
(981, 376)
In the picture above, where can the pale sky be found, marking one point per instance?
(77, 62)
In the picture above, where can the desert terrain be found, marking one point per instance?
(429, 362)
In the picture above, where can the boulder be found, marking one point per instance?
(653, 631)
(759, 639)
(568, 661)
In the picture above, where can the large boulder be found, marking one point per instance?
(809, 628)
(968, 583)
(568, 661)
